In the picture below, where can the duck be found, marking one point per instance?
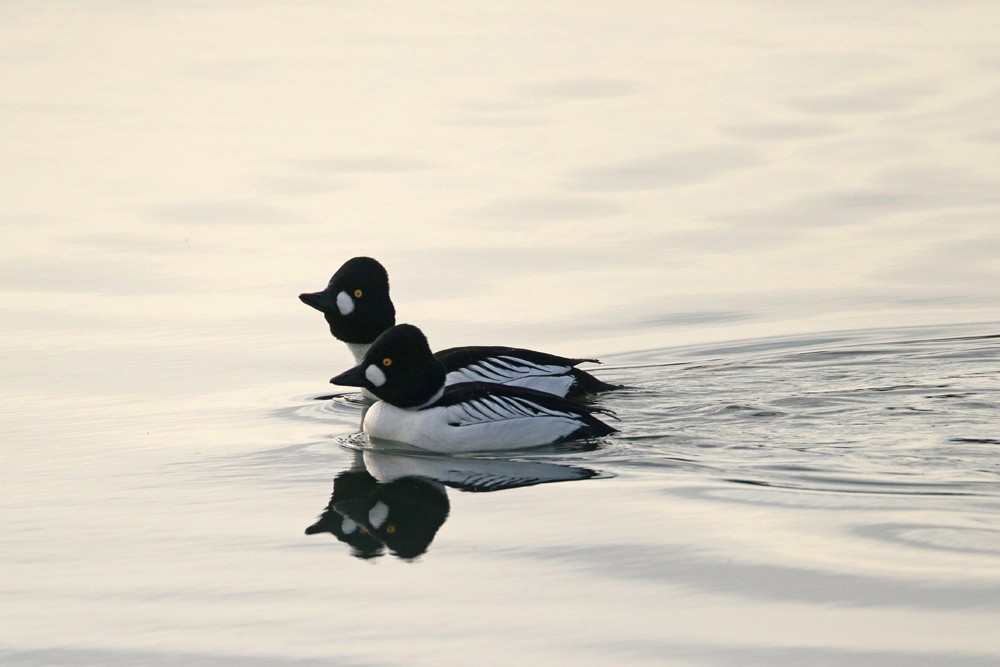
(417, 407)
(357, 308)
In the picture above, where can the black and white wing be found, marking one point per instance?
(485, 404)
(519, 367)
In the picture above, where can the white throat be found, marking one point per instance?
(359, 350)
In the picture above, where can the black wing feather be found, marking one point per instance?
(476, 393)
(459, 357)
(456, 358)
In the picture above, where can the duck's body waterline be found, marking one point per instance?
(453, 429)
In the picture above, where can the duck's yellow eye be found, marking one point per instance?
(391, 528)
(358, 293)
(387, 362)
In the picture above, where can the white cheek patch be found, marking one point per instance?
(378, 514)
(375, 375)
(345, 304)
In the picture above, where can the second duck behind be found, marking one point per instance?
(357, 308)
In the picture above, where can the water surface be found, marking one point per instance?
(777, 224)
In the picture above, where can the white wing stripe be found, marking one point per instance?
(499, 408)
(505, 368)
(544, 368)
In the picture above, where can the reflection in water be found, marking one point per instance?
(651, 177)
(403, 515)
(398, 501)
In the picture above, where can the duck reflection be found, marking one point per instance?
(397, 501)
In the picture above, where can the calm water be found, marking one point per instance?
(777, 224)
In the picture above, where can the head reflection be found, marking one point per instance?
(396, 502)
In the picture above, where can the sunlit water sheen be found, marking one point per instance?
(776, 222)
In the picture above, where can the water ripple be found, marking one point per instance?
(911, 415)
(935, 536)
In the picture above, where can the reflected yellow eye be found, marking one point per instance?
(387, 362)
(391, 528)
(358, 293)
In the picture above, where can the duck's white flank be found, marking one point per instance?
(480, 425)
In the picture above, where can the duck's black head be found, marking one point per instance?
(399, 368)
(356, 303)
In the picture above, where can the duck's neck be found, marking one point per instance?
(359, 350)
(420, 392)
(432, 399)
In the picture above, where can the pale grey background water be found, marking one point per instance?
(776, 221)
